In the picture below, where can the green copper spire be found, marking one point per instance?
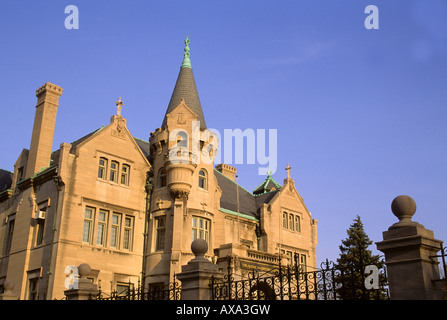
(186, 62)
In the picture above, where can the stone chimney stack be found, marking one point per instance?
(43, 129)
(227, 170)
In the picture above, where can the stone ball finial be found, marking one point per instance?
(84, 270)
(8, 285)
(403, 208)
(199, 247)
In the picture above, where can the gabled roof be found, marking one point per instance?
(143, 145)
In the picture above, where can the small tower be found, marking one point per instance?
(184, 194)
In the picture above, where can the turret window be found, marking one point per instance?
(162, 178)
(203, 179)
(160, 225)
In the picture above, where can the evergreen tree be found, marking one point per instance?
(354, 257)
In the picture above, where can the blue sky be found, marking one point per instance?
(361, 114)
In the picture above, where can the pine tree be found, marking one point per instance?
(354, 257)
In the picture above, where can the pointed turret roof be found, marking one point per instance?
(268, 185)
(185, 88)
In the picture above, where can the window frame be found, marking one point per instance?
(162, 178)
(102, 168)
(203, 178)
(115, 236)
(130, 230)
(114, 171)
(125, 174)
(40, 232)
(103, 226)
(91, 223)
(160, 233)
(198, 229)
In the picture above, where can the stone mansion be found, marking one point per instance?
(128, 209)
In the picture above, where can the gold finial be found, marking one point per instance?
(288, 171)
(119, 105)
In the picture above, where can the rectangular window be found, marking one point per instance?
(101, 230)
(290, 256)
(32, 288)
(297, 223)
(284, 220)
(87, 232)
(125, 171)
(9, 234)
(128, 233)
(102, 169)
(20, 174)
(200, 229)
(303, 263)
(123, 288)
(40, 229)
(291, 222)
(160, 225)
(115, 230)
(114, 171)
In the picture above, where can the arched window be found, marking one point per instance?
(203, 179)
(162, 178)
(102, 169)
(114, 171)
(125, 171)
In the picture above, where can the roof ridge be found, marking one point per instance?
(233, 181)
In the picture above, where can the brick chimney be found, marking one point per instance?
(227, 170)
(43, 129)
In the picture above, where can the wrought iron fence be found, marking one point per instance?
(293, 283)
(171, 291)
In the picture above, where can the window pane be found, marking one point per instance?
(200, 229)
(114, 237)
(100, 234)
(88, 213)
(88, 225)
(102, 216)
(298, 223)
(284, 220)
(128, 233)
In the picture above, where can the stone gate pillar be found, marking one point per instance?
(86, 290)
(196, 275)
(408, 249)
